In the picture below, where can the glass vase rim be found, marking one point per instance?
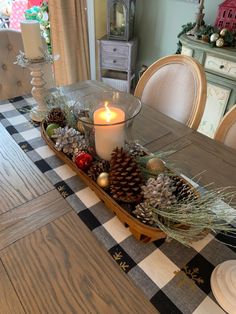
(91, 123)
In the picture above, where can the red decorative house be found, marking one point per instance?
(226, 15)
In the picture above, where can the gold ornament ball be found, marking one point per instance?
(214, 37)
(220, 42)
(80, 124)
(103, 180)
(223, 32)
(155, 165)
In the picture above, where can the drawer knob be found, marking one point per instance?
(114, 49)
(114, 61)
(222, 66)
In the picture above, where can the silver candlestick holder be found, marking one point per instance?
(39, 92)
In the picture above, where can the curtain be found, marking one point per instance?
(69, 36)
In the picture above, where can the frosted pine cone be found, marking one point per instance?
(67, 139)
(135, 149)
(160, 191)
(144, 213)
(157, 193)
(183, 189)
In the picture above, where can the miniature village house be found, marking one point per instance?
(226, 15)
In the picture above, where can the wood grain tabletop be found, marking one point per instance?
(50, 261)
(20, 181)
(61, 268)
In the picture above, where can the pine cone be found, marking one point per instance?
(125, 177)
(67, 139)
(135, 149)
(81, 146)
(98, 167)
(56, 115)
(183, 190)
(159, 192)
(144, 213)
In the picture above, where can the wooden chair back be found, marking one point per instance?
(176, 86)
(226, 131)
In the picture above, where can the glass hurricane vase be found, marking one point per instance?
(107, 119)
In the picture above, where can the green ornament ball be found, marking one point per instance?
(51, 127)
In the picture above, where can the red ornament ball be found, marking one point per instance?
(83, 160)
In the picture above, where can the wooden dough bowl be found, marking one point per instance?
(141, 231)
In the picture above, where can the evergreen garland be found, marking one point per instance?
(205, 33)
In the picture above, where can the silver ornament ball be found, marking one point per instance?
(214, 37)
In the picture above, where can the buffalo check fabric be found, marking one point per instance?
(176, 279)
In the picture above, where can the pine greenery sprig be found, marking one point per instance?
(189, 219)
(58, 100)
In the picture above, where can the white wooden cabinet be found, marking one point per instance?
(117, 60)
(220, 68)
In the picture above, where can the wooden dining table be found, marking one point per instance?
(50, 262)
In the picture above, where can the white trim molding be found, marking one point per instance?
(91, 34)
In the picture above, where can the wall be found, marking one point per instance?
(158, 23)
(100, 18)
(100, 14)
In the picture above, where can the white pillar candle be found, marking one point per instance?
(108, 137)
(119, 19)
(32, 40)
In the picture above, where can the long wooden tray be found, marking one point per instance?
(140, 231)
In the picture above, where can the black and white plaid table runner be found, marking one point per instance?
(175, 278)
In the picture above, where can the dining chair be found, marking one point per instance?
(176, 86)
(226, 131)
(14, 80)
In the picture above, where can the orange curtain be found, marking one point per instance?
(69, 35)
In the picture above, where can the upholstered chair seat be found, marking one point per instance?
(176, 86)
(226, 132)
(14, 80)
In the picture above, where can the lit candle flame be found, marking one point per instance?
(108, 114)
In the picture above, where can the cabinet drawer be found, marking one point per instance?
(113, 62)
(118, 50)
(221, 66)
